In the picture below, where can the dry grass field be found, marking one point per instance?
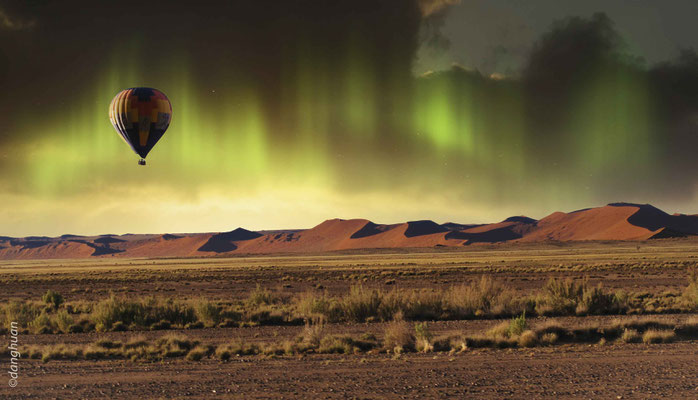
(592, 319)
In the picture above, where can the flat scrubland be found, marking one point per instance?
(588, 319)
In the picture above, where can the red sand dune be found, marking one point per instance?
(167, 246)
(619, 221)
(59, 249)
(603, 223)
(510, 229)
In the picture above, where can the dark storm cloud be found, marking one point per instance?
(226, 43)
(595, 116)
(675, 87)
(431, 34)
(578, 53)
(431, 7)
(12, 23)
(434, 13)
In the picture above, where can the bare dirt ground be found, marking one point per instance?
(617, 371)
(613, 370)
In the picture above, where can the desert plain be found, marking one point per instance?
(593, 319)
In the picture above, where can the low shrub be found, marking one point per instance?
(236, 348)
(527, 338)
(107, 312)
(517, 325)
(477, 298)
(567, 297)
(560, 296)
(657, 336)
(343, 344)
(41, 324)
(630, 336)
(398, 337)
(64, 321)
(360, 304)
(260, 296)
(52, 299)
(690, 294)
(425, 305)
(423, 336)
(549, 338)
(313, 304)
(313, 332)
(21, 312)
(199, 352)
(141, 313)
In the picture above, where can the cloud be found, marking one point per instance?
(431, 7)
(8, 22)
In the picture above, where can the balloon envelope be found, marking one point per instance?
(141, 116)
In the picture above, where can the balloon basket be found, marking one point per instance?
(141, 161)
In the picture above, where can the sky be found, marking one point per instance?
(289, 113)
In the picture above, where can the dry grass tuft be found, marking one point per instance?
(690, 294)
(657, 336)
(313, 332)
(549, 338)
(423, 338)
(528, 339)
(398, 337)
(199, 352)
(630, 336)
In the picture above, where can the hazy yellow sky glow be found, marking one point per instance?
(213, 209)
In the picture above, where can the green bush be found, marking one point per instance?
(22, 313)
(175, 312)
(336, 344)
(140, 313)
(64, 321)
(561, 297)
(596, 301)
(207, 312)
(311, 304)
(107, 312)
(41, 324)
(569, 297)
(423, 337)
(517, 325)
(53, 299)
(260, 296)
(421, 331)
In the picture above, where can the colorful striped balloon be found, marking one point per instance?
(141, 116)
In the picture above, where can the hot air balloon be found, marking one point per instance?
(141, 116)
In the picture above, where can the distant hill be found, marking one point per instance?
(616, 221)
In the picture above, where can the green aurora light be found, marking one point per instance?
(335, 141)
